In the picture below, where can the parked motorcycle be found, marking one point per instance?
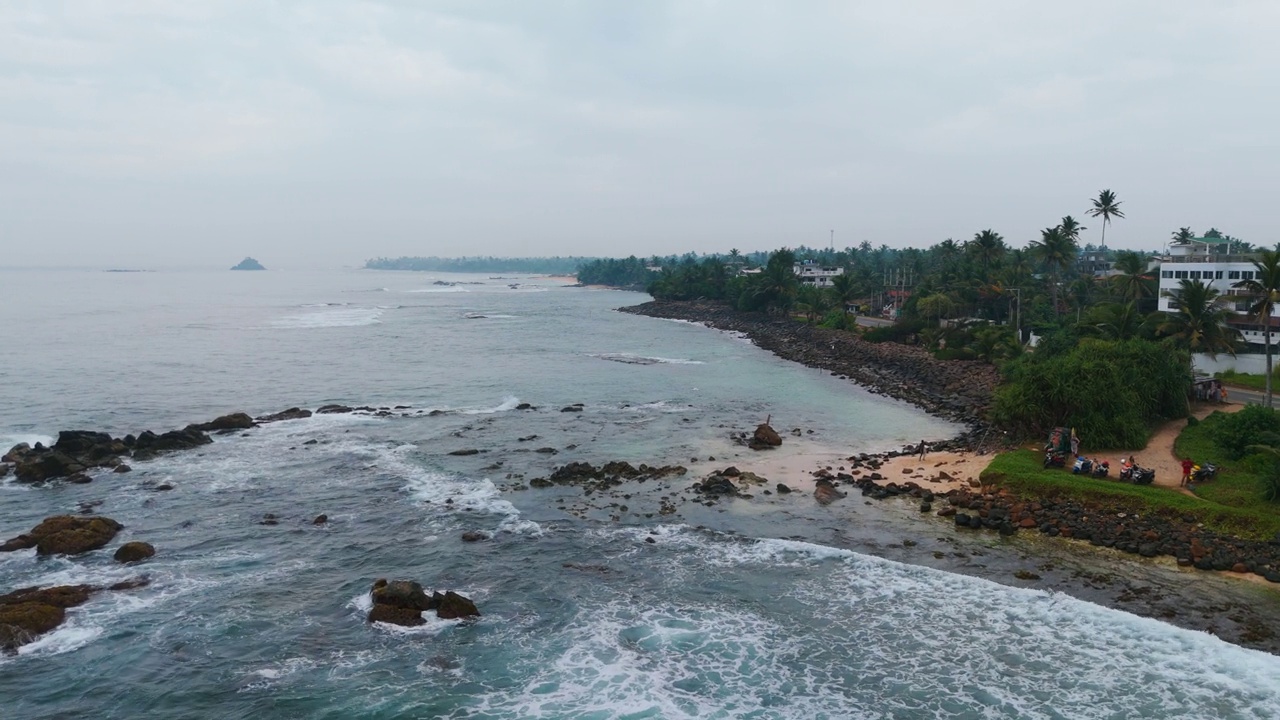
(1101, 469)
(1204, 473)
(1082, 466)
(1143, 476)
(1055, 459)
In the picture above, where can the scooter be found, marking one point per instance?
(1101, 469)
(1143, 476)
(1054, 459)
(1082, 466)
(1204, 473)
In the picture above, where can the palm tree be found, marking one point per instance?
(987, 246)
(1265, 289)
(1072, 228)
(1183, 235)
(845, 289)
(1081, 289)
(1113, 321)
(1132, 284)
(1197, 322)
(1106, 207)
(777, 284)
(1057, 252)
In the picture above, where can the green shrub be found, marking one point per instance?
(897, 332)
(1110, 391)
(1252, 425)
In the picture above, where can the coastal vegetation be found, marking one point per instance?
(1022, 473)
(1062, 322)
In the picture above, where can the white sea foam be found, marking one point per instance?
(455, 493)
(433, 625)
(330, 318)
(508, 403)
(632, 359)
(64, 639)
(877, 638)
(8, 440)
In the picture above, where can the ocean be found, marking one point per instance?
(593, 606)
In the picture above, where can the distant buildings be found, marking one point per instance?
(816, 275)
(1211, 261)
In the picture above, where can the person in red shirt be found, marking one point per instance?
(1186, 471)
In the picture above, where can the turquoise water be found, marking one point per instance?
(750, 609)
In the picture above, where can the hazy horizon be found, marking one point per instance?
(152, 134)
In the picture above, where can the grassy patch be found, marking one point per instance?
(1023, 473)
(1250, 380)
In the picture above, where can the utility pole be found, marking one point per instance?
(1017, 313)
(833, 241)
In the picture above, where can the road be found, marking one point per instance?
(1247, 396)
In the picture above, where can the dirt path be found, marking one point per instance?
(1159, 455)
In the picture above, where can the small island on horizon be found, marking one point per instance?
(249, 264)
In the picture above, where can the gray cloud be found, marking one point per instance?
(321, 133)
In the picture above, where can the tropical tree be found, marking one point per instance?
(1183, 235)
(1113, 321)
(776, 285)
(1197, 322)
(1072, 228)
(1057, 252)
(1106, 207)
(1265, 289)
(1132, 283)
(988, 247)
(844, 288)
(935, 306)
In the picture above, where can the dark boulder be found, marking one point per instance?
(148, 444)
(234, 421)
(292, 413)
(121, 468)
(451, 605)
(576, 407)
(134, 551)
(765, 437)
(17, 453)
(66, 535)
(320, 519)
(783, 489)
(333, 409)
(30, 612)
(38, 467)
(825, 493)
(716, 485)
(474, 536)
(469, 451)
(77, 442)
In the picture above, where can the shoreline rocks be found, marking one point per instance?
(958, 390)
(27, 613)
(402, 602)
(65, 535)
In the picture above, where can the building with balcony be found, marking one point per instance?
(1211, 261)
(816, 275)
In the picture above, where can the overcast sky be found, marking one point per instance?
(322, 133)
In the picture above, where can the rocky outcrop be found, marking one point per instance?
(825, 492)
(30, 612)
(292, 413)
(765, 437)
(248, 264)
(133, 552)
(65, 535)
(234, 421)
(402, 602)
(611, 474)
(958, 390)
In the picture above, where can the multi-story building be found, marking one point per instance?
(1211, 261)
(810, 273)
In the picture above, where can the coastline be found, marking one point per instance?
(955, 390)
(949, 487)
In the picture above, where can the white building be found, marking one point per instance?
(1210, 261)
(816, 275)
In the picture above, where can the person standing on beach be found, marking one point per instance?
(1075, 443)
(1186, 471)
(922, 449)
